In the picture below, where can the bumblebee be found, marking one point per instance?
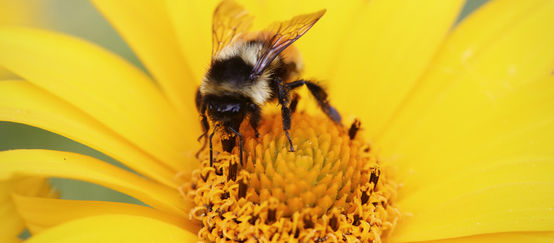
(250, 69)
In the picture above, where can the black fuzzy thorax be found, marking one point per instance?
(233, 70)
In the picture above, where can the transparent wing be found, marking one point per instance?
(229, 21)
(284, 34)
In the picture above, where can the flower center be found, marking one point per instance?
(332, 188)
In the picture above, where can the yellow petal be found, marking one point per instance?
(512, 144)
(100, 84)
(507, 196)
(387, 50)
(43, 213)
(519, 124)
(115, 228)
(503, 46)
(512, 237)
(49, 163)
(24, 103)
(11, 223)
(146, 27)
(192, 22)
(20, 12)
(17, 12)
(327, 40)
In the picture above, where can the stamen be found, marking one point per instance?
(332, 188)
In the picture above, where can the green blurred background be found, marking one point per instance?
(79, 18)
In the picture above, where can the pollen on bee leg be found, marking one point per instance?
(333, 188)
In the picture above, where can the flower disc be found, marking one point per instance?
(331, 188)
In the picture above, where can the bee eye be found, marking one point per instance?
(231, 108)
(225, 107)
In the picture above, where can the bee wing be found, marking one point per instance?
(286, 33)
(229, 21)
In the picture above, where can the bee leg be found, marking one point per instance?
(200, 105)
(212, 147)
(285, 111)
(322, 99)
(294, 103)
(321, 96)
(295, 84)
(197, 154)
(205, 128)
(240, 143)
(255, 117)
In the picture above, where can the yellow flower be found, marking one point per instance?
(461, 117)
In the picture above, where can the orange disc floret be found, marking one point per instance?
(332, 188)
